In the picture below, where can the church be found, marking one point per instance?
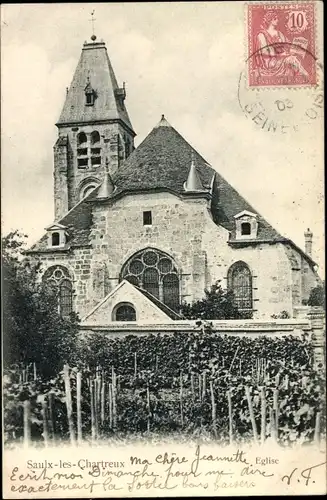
(138, 231)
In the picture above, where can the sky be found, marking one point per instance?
(184, 60)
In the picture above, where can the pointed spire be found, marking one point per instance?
(193, 182)
(94, 73)
(163, 122)
(107, 187)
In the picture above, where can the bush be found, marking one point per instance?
(217, 304)
(317, 296)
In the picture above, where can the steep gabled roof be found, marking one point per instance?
(94, 72)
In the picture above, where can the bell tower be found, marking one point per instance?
(93, 125)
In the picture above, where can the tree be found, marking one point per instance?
(33, 330)
(317, 296)
(217, 304)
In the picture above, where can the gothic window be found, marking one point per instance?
(240, 282)
(155, 272)
(151, 281)
(245, 228)
(124, 312)
(171, 291)
(55, 239)
(65, 298)
(59, 278)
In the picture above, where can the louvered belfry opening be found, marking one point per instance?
(155, 272)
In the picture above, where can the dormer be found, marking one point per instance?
(89, 93)
(246, 225)
(57, 236)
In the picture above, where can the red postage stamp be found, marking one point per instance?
(281, 44)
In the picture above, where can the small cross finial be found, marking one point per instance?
(92, 20)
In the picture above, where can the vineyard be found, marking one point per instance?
(230, 388)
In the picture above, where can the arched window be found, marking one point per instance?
(65, 298)
(55, 239)
(240, 282)
(95, 149)
(81, 138)
(124, 312)
(95, 137)
(155, 272)
(60, 279)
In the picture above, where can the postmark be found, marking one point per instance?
(281, 45)
(282, 110)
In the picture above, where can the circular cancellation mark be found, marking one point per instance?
(283, 108)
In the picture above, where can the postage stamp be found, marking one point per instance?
(281, 44)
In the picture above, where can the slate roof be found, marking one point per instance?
(172, 314)
(162, 162)
(94, 69)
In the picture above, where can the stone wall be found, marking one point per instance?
(184, 229)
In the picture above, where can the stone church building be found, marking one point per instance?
(139, 231)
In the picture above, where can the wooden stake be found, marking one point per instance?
(192, 385)
(200, 386)
(231, 365)
(272, 423)
(110, 407)
(286, 382)
(34, 371)
(93, 427)
(317, 428)
(230, 416)
(254, 426)
(204, 386)
(69, 405)
(276, 410)
(148, 406)
(45, 422)
(52, 426)
(114, 396)
(27, 423)
(96, 405)
(135, 364)
(263, 415)
(213, 409)
(79, 406)
(103, 401)
(181, 398)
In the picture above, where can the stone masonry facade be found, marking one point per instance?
(185, 230)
